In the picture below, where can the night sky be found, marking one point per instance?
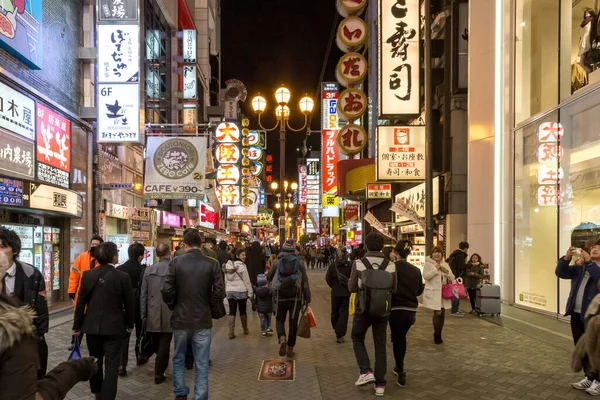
(269, 42)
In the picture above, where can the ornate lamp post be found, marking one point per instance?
(282, 114)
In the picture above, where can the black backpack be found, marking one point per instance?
(375, 296)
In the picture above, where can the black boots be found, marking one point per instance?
(437, 338)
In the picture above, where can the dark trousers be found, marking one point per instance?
(577, 330)
(42, 355)
(359, 330)
(339, 315)
(162, 355)
(283, 307)
(235, 304)
(400, 323)
(472, 295)
(125, 345)
(107, 350)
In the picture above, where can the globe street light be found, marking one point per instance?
(282, 114)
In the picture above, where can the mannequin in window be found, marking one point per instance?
(587, 35)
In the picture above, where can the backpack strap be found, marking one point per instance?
(366, 263)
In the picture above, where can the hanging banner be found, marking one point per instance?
(175, 167)
(400, 153)
(402, 209)
(190, 80)
(414, 198)
(189, 46)
(399, 67)
(376, 224)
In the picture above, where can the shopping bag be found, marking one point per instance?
(304, 325)
(454, 290)
(76, 352)
(352, 306)
(219, 309)
(312, 322)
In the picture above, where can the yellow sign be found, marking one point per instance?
(330, 200)
(350, 235)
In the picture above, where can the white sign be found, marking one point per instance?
(190, 80)
(231, 110)
(189, 46)
(399, 67)
(17, 112)
(152, 82)
(379, 191)
(417, 256)
(122, 242)
(415, 199)
(118, 53)
(175, 167)
(400, 153)
(245, 213)
(118, 113)
(117, 211)
(25, 233)
(152, 44)
(44, 197)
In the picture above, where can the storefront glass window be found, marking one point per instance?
(536, 57)
(583, 49)
(536, 182)
(79, 233)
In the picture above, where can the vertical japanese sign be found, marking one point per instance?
(329, 150)
(549, 174)
(313, 194)
(302, 184)
(53, 147)
(21, 30)
(400, 153)
(227, 156)
(118, 90)
(399, 67)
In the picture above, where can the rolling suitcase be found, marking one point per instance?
(487, 300)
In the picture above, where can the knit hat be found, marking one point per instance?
(261, 280)
(289, 246)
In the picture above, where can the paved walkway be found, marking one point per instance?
(520, 355)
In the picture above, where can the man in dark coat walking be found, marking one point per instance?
(255, 261)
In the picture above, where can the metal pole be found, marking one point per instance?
(428, 132)
(282, 179)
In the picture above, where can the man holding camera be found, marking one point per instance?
(584, 273)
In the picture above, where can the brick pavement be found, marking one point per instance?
(480, 359)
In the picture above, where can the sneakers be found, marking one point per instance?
(340, 340)
(282, 346)
(458, 314)
(584, 384)
(269, 331)
(264, 334)
(401, 379)
(379, 390)
(594, 389)
(365, 379)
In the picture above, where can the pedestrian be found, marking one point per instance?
(19, 354)
(222, 255)
(436, 273)
(313, 257)
(291, 291)
(389, 253)
(103, 295)
(84, 261)
(458, 263)
(583, 269)
(263, 302)
(473, 276)
(358, 252)
(337, 278)
(134, 268)
(238, 289)
(193, 285)
(373, 277)
(208, 250)
(255, 261)
(26, 284)
(272, 258)
(155, 313)
(409, 286)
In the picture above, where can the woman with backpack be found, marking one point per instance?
(337, 277)
(436, 274)
(239, 289)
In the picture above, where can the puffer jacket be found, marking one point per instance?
(237, 279)
(263, 298)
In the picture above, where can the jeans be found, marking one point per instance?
(455, 306)
(265, 321)
(400, 323)
(107, 350)
(201, 347)
(359, 330)
(162, 355)
(283, 306)
(339, 315)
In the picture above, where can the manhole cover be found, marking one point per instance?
(277, 370)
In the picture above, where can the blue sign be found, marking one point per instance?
(21, 30)
(11, 192)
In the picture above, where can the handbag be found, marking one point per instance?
(147, 345)
(312, 322)
(76, 352)
(217, 310)
(352, 305)
(304, 324)
(454, 290)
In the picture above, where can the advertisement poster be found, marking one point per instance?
(122, 242)
(25, 233)
(175, 167)
(48, 268)
(55, 268)
(11, 192)
(53, 147)
(245, 213)
(26, 256)
(21, 30)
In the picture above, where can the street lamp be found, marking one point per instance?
(282, 114)
(274, 186)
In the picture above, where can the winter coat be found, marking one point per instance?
(304, 292)
(587, 349)
(434, 280)
(471, 282)
(343, 268)
(457, 262)
(30, 289)
(409, 286)
(193, 284)
(263, 298)
(237, 279)
(255, 261)
(154, 309)
(575, 273)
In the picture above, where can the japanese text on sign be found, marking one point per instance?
(17, 112)
(400, 153)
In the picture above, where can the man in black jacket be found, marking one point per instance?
(337, 277)
(255, 262)
(26, 284)
(193, 285)
(458, 263)
(134, 268)
(404, 305)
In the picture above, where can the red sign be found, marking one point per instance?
(351, 212)
(53, 139)
(208, 217)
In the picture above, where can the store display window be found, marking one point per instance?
(585, 43)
